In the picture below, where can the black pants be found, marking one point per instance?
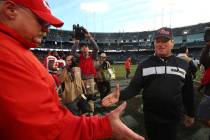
(157, 131)
(104, 88)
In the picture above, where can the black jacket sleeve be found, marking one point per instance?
(134, 87)
(188, 94)
(74, 49)
(193, 68)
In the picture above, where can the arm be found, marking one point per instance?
(74, 48)
(188, 99)
(95, 48)
(93, 44)
(89, 129)
(39, 114)
(193, 68)
(188, 95)
(134, 87)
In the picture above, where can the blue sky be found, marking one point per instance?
(130, 15)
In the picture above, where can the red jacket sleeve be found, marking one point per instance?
(30, 108)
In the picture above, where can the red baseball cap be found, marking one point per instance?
(42, 10)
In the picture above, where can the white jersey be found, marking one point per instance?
(51, 59)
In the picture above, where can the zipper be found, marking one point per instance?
(165, 62)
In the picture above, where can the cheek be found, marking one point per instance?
(32, 35)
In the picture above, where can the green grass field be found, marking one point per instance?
(120, 70)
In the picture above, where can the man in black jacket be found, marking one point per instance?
(167, 90)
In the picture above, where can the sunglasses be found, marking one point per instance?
(45, 26)
(162, 40)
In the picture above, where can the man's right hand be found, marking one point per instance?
(119, 130)
(112, 98)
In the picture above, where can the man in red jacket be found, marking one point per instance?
(30, 109)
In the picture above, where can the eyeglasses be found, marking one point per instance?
(162, 40)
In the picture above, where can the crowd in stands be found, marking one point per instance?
(118, 44)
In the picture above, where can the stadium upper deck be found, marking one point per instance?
(128, 40)
(137, 44)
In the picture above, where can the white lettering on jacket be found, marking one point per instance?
(161, 70)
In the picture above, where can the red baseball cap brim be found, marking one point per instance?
(41, 9)
(49, 18)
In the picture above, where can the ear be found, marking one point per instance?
(9, 9)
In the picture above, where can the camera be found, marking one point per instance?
(105, 65)
(79, 32)
(207, 34)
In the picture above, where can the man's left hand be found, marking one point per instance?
(188, 121)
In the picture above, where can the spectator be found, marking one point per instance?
(183, 54)
(73, 86)
(103, 76)
(86, 64)
(30, 109)
(53, 63)
(127, 65)
(204, 107)
(167, 86)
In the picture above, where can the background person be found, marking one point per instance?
(103, 76)
(127, 65)
(70, 77)
(204, 107)
(183, 54)
(30, 108)
(167, 87)
(86, 64)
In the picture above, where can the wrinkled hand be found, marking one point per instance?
(112, 98)
(188, 121)
(119, 130)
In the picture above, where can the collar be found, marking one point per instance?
(163, 58)
(182, 54)
(13, 34)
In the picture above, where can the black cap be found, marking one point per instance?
(83, 42)
(163, 32)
